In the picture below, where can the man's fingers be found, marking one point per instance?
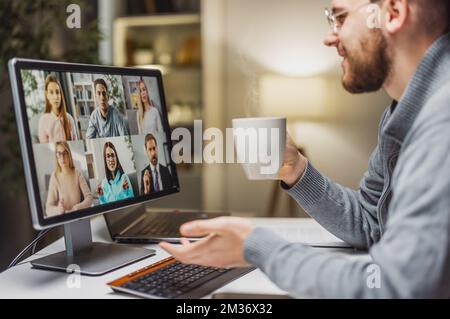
(289, 138)
(191, 254)
(203, 227)
(185, 242)
(182, 253)
(171, 249)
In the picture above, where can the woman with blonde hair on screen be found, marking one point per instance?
(55, 125)
(148, 117)
(68, 190)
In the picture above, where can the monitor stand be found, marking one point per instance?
(88, 258)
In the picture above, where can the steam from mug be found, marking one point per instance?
(260, 144)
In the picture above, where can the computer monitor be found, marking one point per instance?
(94, 139)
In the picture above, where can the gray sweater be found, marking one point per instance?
(401, 212)
(114, 125)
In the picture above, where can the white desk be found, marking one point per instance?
(22, 281)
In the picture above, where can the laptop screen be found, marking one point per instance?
(99, 140)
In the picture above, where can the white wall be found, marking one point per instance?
(213, 55)
(283, 37)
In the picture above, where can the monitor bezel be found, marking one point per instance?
(37, 213)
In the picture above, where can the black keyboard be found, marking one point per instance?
(170, 279)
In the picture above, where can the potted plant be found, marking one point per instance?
(31, 29)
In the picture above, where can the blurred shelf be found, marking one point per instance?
(157, 38)
(188, 125)
(157, 20)
(172, 44)
(171, 69)
(169, 43)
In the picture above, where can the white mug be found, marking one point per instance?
(260, 144)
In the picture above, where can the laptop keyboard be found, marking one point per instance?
(166, 226)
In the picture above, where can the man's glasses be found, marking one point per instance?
(337, 19)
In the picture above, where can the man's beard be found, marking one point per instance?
(369, 68)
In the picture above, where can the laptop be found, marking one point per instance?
(144, 225)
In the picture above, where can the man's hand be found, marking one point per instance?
(223, 247)
(294, 164)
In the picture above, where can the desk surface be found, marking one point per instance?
(24, 282)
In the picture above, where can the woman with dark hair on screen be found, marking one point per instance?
(68, 190)
(55, 125)
(116, 186)
(148, 117)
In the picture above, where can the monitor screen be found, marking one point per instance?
(94, 138)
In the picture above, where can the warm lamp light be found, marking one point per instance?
(159, 67)
(297, 98)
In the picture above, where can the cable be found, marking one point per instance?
(33, 250)
(27, 248)
(32, 244)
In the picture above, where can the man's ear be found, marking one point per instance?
(397, 12)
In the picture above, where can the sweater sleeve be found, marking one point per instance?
(122, 124)
(51, 206)
(87, 194)
(43, 137)
(91, 131)
(306, 272)
(129, 193)
(348, 214)
(412, 259)
(73, 128)
(103, 199)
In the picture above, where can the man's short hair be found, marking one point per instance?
(101, 82)
(148, 138)
(433, 15)
(448, 16)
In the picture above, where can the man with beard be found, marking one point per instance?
(401, 211)
(155, 177)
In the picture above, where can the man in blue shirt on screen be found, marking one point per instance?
(105, 121)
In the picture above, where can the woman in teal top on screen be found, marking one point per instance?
(116, 186)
